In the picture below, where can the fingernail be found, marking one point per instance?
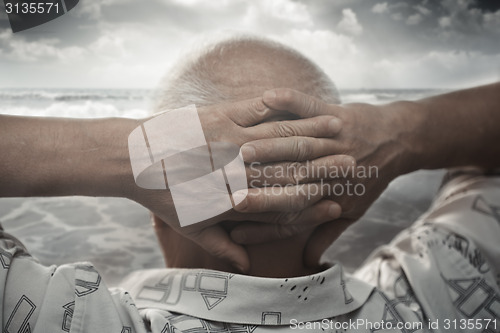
(269, 96)
(248, 152)
(333, 211)
(335, 125)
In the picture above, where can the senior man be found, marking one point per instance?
(440, 274)
(432, 276)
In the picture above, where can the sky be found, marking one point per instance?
(368, 44)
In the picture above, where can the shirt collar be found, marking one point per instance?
(234, 298)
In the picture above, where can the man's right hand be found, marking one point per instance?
(371, 134)
(444, 131)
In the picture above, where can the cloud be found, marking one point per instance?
(18, 49)
(492, 21)
(320, 44)
(273, 14)
(92, 9)
(89, 10)
(463, 18)
(451, 69)
(445, 22)
(120, 43)
(337, 54)
(288, 10)
(397, 16)
(110, 46)
(380, 8)
(127, 73)
(414, 19)
(198, 3)
(423, 10)
(349, 23)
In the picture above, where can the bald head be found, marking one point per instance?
(241, 68)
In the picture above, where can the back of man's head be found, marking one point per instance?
(233, 69)
(241, 67)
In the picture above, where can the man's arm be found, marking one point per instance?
(58, 157)
(453, 129)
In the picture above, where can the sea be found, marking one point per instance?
(137, 103)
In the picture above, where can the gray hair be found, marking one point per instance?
(191, 80)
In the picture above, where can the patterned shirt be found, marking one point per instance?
(440, 275)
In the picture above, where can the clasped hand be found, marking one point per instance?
(247, 121)
(370, 134)
(288, 139)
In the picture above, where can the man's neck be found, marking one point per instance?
(277, 259)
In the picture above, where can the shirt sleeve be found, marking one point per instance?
(67, 298)
(450, 257)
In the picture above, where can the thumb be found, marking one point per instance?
(216, 241)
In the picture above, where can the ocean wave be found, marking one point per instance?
(377, 96)
(87, 109)
(73, 95)
(358, 98)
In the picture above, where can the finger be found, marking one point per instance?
(301, 104)
(294, 173)
(321, 126)
(297, 148)
(286, 225)
(279, 198)
(322, 238)
(249, 112)
(216, 242)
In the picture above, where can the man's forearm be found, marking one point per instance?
(56, 157)
(455, 129)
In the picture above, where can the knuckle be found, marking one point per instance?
(313, 106)
(309, 105)
(294, 173)
(284, 129)
(259, 107)
(304, 149)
